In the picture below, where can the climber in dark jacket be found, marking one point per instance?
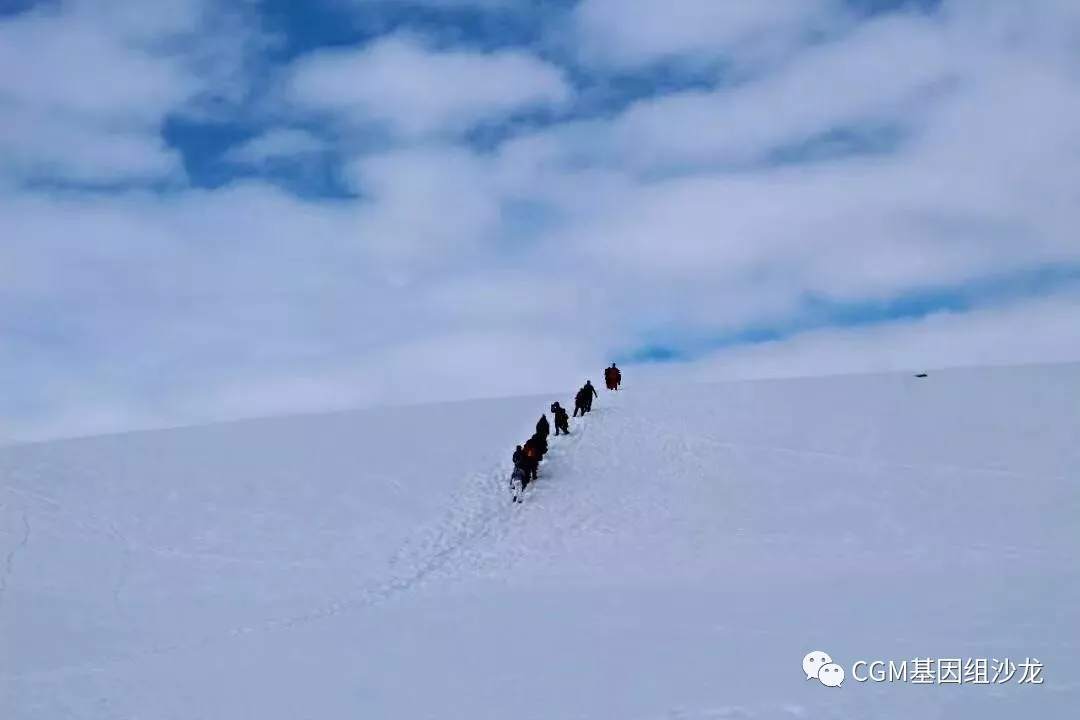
(530, 461)
(540, 443)
(579, 402)
(590, 393)
(562, 420)
(524, 466)
(542, 426)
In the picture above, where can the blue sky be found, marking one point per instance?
(233, 208)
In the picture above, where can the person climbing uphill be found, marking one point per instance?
(590, 393)
(612, 377)
(579, 402)
(531, 460)
(542, 426)
(527, 457)
(540, 443)
(562, 419)
(519, 478)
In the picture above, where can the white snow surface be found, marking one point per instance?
(682, 551)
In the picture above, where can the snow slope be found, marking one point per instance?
(683, 550)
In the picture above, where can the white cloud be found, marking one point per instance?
(46, 146)
(459, 272)
(221, 304)
(88, 85)
(83, 105)
(636, 32)
(880, 72)
(70, 66)
(428, 207)
(968, 194)
(275, 145)
(1035, 331)
(420, 91)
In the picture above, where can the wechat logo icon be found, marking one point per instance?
(817, 665)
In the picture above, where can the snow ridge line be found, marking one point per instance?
(475, 512)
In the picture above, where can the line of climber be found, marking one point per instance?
(527, 456)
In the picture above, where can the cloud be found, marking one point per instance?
(938, 208)
(884, 72)
(427, 207)
(218, 304)
(416, 90)
(1032, 331)
(277, 144)
(905, 155)
(97, 80)
(92, 119)
(113, 79)
(39, 146)
(637, 32)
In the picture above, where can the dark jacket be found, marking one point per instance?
(530, 445)
(542, 426)
(538, 443)
(530, 454)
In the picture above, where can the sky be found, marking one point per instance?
(212, 210)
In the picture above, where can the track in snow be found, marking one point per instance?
(478, 510)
